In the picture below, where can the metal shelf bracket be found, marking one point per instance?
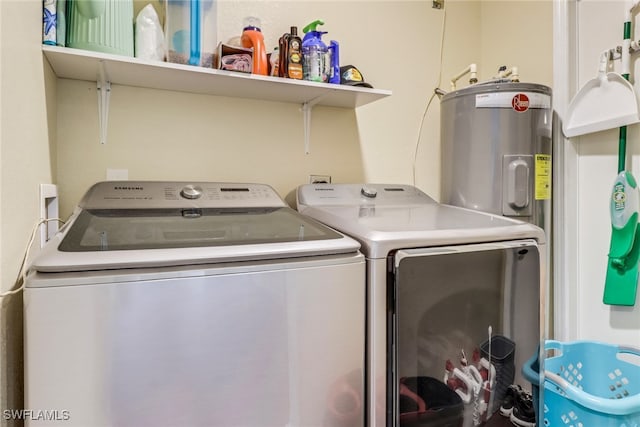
(306, 119)
(104, 91)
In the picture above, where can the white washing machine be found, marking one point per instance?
(450, 291)
(194, 304)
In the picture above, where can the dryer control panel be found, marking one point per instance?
(361, 194)
(171, 194)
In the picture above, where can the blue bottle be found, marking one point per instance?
(334, 70)
(314, 53)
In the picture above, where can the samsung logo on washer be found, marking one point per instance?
(128, 188)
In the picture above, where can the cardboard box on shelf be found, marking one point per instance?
(234, 58)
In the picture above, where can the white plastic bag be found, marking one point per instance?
(149, 42)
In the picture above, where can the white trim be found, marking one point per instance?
(565, 185)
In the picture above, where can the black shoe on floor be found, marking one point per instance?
(509, 400)
(523, 413)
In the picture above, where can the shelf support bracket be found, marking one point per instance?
(104, 91)
(306, 119)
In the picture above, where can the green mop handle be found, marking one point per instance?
(622, 133)
(622, 147)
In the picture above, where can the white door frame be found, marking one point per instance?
(565, 182)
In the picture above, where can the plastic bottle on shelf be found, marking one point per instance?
(294, 58)
(252, 37)
(274, 61)
(189, 31)
(334, 69)
(282, 59)
(314, 52)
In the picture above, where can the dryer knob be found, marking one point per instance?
(191, 192)
(369, 192)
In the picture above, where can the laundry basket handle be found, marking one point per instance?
(629, 350)
(554, 345)
(558, 345)
(624, 406)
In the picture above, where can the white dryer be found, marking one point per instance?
(442, 283)
(194, 304)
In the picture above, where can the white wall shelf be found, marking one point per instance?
(87, 65)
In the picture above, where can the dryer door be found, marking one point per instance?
(456, 309)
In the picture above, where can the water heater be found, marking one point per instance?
(496, 150)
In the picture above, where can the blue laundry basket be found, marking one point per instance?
(588, 384)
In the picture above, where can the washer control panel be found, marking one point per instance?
(166, 195)
(369, 191)
(191, 191)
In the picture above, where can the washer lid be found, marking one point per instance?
(137, 229)
(166, 234)
(402, 216)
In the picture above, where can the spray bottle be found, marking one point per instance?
(314, 53)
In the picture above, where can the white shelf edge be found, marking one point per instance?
(85, 65)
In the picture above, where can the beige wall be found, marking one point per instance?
(157, 134)
(27, 144)
(518, 33)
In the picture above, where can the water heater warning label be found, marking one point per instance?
(517, 101)
(543, 177)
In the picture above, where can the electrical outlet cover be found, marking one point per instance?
(319, 179)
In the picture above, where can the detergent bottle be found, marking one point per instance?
(252, 37)
(314, 53)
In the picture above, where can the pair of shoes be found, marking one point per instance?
(523, 414)
(513, 391)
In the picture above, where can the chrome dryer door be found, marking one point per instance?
(455, 309)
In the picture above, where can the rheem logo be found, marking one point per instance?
(520, 103)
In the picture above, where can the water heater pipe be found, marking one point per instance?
(512, 72)
(471, 68)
